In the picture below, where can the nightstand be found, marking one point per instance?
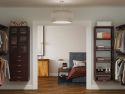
(43, 67)
(62, 75)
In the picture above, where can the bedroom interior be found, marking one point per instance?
(70, 61)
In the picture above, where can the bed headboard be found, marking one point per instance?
(76, 56)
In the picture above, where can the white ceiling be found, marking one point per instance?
(55, 3)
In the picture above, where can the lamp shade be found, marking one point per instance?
(62, 16)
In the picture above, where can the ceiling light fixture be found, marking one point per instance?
(62, 16)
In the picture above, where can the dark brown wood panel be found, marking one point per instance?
(19, 45)
(103, 48)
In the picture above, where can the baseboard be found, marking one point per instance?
(17, 87)
(105, 87)
(53, 74)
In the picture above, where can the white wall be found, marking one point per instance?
(60, 40)
(115, 14)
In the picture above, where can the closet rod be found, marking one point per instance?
(2, 27)
(120, 27)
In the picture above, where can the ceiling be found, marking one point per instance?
(55, 3)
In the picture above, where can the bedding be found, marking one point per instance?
(79, 71)
(77, 63)
(80, 57)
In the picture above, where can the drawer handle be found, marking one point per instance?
(19, 65)
(19, 77)
(19, 60)
(19, 71)
(19, 56)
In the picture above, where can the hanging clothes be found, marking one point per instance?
(117, 67)
(119, 48)
(119, 43)
(120, 70)
(0, 41)
(1, 72)
(4, 66)
(4, 70)
(3, 42)
(123, 76)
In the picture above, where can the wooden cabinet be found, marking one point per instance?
(43, 67)
(103, 53)
(19, 52)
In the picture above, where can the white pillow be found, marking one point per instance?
(78, 63)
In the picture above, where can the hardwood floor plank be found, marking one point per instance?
(50, 86)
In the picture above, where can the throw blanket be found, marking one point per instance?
(77, 72)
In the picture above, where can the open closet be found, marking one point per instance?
(109, 53)
(19, 48)
(103, 53)
(14, 54)
(4, 66)
(119, 48)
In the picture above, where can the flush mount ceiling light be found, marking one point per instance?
(62, 16)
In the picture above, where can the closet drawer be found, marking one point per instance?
(18, 67)
(19, 78)
(19, 75)
(19, 57)
(19, 72)
(22, 56)
(19, 62)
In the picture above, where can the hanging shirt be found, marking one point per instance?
(1, 72)
(4, 41)
(117, 69)
(122, 48)
(0, 41)
(123, 75)
(4, 71)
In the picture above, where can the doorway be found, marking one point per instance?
(52, 56)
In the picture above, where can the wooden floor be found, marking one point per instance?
(50, 86)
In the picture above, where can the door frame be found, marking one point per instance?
(89, 51)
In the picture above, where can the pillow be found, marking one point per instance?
(78, 63)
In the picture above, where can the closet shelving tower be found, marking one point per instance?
(3, 53)
(103, 53)
(19, 53)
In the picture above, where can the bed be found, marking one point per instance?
(79, 77)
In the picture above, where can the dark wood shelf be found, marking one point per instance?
(103, 58)
(103, 74)
(103, 47)
(103, 27)
(102, 39)
(104, 61)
